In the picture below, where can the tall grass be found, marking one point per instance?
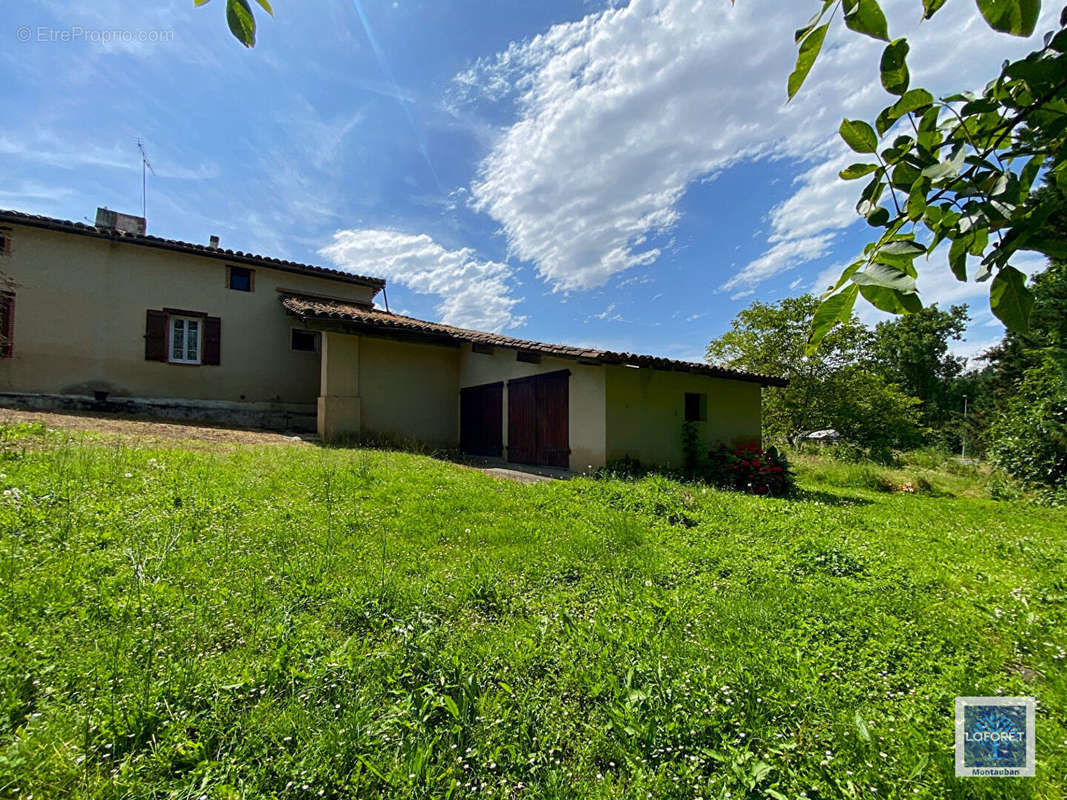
(297, 622)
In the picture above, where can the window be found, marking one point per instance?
(696, 407)
(185, 340)
(306, 341)
(7, 323)
(182, 337)
(5, 243)
(240, 279)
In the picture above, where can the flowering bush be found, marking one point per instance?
(751, 469)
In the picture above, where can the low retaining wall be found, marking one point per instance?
(296, 417)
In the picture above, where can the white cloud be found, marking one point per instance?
(476, 293)
(781, 257)
(619, 112)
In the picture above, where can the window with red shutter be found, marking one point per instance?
(7, 324)
(178, 336)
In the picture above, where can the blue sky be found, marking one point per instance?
(621, 175)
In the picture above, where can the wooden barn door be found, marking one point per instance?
(539, 420)
(522, 421)
(481, 420)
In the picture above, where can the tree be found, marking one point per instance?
(1029, 437)
(834, 388)
(912, 351)
(1018, 352)
(961, 169)
(240, 18)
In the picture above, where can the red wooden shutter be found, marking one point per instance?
(212, 341)
(7, 324)
(155, 336)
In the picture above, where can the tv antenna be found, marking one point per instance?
(146, 167)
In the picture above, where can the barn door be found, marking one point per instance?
(553, 418)
(539, 420)
(481, 420)
(522, 421)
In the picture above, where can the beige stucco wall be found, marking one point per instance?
(80, 322)
(409, 390)
(586, 396)
(646, 409)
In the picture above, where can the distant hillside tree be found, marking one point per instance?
(913, 352)
(836, 387)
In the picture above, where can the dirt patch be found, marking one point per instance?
(149, 430)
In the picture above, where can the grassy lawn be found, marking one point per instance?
(300, 622)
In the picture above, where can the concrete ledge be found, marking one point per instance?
(268, 416)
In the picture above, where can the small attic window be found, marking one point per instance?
(240, 279)
(484, 349)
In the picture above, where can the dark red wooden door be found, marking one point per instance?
(539, 420)
(553, 420)
(522, 421)
(481, 420)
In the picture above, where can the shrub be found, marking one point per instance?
(750, 468)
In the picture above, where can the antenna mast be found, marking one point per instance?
(146, 166)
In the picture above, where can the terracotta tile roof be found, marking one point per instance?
(376, 320)
(230, 256)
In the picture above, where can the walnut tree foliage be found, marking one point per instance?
(961, 169)
(240, 18)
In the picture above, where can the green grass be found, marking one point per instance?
(300, 622)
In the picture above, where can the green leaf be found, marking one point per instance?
(894, 67)
(878, 217)
(814, 21)
(266, 6)
(913, 100)
(861, 728)
(242, 23)
(946, 169)
(450, 704)
(199, 3)
(916, 201)
(892, 300)
(957, 258)
(930, 7)
(859, 136)
(885, 276)
(903, 247)
(853, 171)
(1017, 17)
(1010, 300)
(809, 51)
(847, 273)
(834, 309)
(866, 17)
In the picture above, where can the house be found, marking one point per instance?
(107, 316)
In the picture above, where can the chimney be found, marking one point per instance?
(213, 243)
(115, 221)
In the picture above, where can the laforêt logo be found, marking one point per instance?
(995, 737)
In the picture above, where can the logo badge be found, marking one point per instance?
(995, 737)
